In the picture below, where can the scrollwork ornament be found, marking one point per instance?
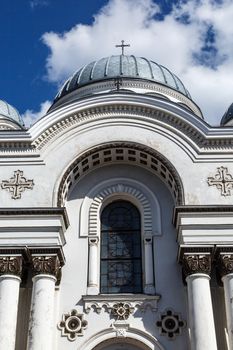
(225, 264)
(11, 265)
(46, 265)
(196, 263)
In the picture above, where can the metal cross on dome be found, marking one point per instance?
(123, 46)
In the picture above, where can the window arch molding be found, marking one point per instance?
(120, 188)
(90, 226)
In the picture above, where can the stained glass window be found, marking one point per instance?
(120, 269)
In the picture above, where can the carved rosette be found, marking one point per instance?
(11, 265)
(121, 311)
(225, 264)
(72, 325)
(196, 263)
(49, 265)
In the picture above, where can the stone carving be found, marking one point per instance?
(122, 311)
(17, 184)
(72, 325)
(170, 324)
(225, 264)
(11, 265)
(122, 304)
(222, 180)
(46, 265)
(196, 263)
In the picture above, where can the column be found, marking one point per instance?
(93, 267)
(149, 265)
(197, 268)
(41, 324)
(225, 267)
(10, 273)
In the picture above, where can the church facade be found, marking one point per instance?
(116, 222)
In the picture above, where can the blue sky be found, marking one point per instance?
(44, 41)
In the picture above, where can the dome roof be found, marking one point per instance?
(122, 66)
(228, 116)
(9, 112)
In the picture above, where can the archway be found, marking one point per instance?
(126, 344)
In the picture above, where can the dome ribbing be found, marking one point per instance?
(122, 66)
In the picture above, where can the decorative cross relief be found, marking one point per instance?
(223, 180)
(17, 184)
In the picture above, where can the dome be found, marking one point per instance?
(122, 66)
(9, 117)
(228, 116)
(125, 74)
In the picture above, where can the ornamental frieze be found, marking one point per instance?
(17, 184)
(120, 306)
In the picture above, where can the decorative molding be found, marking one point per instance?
(109, 302)
(50, 211)
(72, 325)
(222, 180)
(196, 263)
(119, 152)
(11, 265)
(123, 110)
(46, 265)
(170, 324)
(17, 184)
(119, 189)
(197, 209)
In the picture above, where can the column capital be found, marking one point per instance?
(46, 264)
(93, 241)
(225, 263)
(11, 265)
(196, 259)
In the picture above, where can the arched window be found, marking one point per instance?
(121, 265)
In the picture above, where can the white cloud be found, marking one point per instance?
(30, 117)
(177, 41)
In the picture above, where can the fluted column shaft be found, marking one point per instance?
(10, 272)
(197, 269)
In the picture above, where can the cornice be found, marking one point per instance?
(190, 209)
(125, 107)
(204, 139)
(36, 212)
